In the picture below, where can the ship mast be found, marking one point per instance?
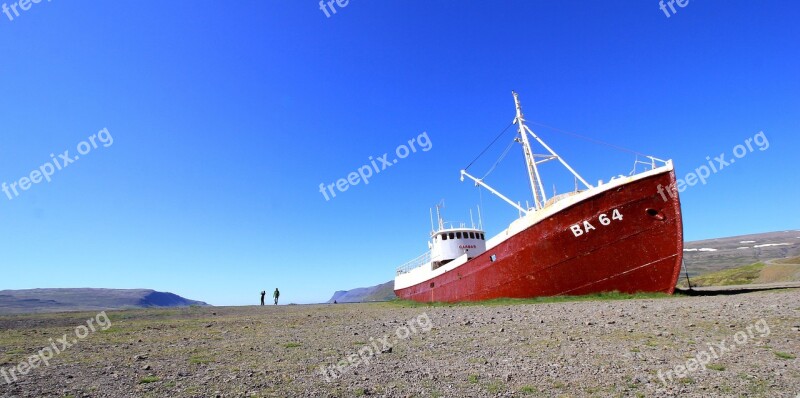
(537, 187)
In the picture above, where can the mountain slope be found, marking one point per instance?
(382, 292)
(53, 300)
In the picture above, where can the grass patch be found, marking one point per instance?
(111, 330)
(716, 366)
(148, 379)
(200, 359)
(743, 275)
(472, 379)
(494, 388)
(527, 390)
(609, 296)
(793, 260)
(291, 345)
(784, 355)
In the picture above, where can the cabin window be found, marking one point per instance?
(482, 237)
(458, 235)
(493, 258)
(443, 236)
(472, 235)
(452, 235)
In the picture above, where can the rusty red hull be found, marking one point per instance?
(641, 252)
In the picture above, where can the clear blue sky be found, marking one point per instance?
(226, 117)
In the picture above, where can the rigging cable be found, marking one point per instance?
(686, 270)
(596, 141)
(500, 159)
(488, 146)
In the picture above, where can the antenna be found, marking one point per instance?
(480, 220)
(440, 205)
(433, 230)
(471, 221)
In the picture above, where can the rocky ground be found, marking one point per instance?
(598, 348)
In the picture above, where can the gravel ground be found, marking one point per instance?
(596, 348)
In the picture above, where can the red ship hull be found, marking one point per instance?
(639, 251)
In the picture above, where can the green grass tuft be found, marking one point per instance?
(607, 296)
(743, 275)
(784, 355)
(200, 359)
(148, 379)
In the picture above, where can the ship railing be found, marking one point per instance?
(653, 163)
(419, 261)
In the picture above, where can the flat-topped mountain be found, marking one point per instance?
(86, 299)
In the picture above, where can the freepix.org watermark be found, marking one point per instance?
(23, 5)
(376, 346)
(45, 172)
(671, 4)
(702, 173)
(365, 172)
(56, 347)
(325, 5)
(715, 351)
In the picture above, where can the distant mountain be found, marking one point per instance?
(712, 255)
(382, 292)
(55, 300)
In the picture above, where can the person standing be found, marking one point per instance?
(263, 293)
(276, 295)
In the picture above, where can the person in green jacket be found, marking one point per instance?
(276, 295)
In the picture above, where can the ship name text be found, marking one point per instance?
(585, 227)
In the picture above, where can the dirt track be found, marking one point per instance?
(600, 348)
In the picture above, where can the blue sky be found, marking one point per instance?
(227, 116)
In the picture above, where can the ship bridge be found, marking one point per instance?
(449, 244)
